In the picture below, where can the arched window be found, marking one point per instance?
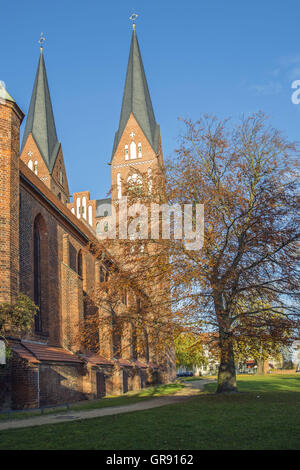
(83, 210)
(98, 228)
(119, 185)
(40, 274)
(90, 215)
(79, 263)
(37, 274)
(132, 150)
(106, 227)
(139, 150)
(73, 210)
(149, 180)
(59, 196)
(30, 164)
(116, 336)
(36, 167)
(78, 207)
(126, 152)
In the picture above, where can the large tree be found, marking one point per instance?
(244, 281)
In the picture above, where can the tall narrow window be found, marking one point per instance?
(139, 150)
(83, 210)
(36, 167)
(30, 164)
(90, 215)
(149, 180)
(132, 150)
(119, 185)
(126, 152)
(78, 207)
(37, 275)
(79, 263)
(116, 336)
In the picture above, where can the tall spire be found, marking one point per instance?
(40, 119)
(136, 98)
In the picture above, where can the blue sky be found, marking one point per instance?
(221, 57)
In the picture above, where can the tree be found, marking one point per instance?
(18, 316)
(190, 352)
(245, 177)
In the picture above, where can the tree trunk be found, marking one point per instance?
(227, 374)
(262, 366)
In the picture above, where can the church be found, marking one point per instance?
(44, 239)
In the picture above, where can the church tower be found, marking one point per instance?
(137, 144)
(41, 150)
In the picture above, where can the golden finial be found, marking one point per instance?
(41, 41)
(133, 17)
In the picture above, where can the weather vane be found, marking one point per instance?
(133, 17)
(42, 40)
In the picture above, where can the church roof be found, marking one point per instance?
(40, 119)
(4, 95)
(136, 98)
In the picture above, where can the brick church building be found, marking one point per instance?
(43, 248)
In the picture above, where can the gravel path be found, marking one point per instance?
(191, 389)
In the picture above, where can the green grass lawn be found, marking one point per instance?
(126, 399)
(266, 415)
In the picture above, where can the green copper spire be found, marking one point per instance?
(136, 98)
(40, 119)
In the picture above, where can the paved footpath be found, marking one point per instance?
(191, 389)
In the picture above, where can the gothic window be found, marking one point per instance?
(132, 150)
(30, 164)
(90, 215)
(73, 210)
(149, 180)
(124, 297)
(103, 274)
(83, 209)
(126, 152)
(116, 336)
(106, 227)
(79, 263)
(40, 275)
(119, 186)
(36, 167)
(78, 207)
(139, 150)
(98, 228)
(37, 275)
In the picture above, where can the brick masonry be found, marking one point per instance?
(27, 199)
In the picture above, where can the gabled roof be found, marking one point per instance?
(40, 119)
(44, 352)
(136, 99)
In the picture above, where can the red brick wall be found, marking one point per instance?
(24, 385)
(60, 383)
(10, 119)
